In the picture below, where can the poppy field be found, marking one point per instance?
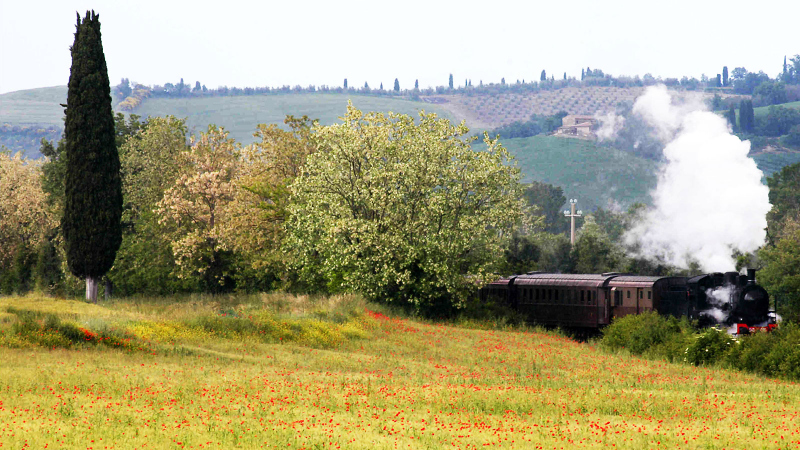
(300, 373)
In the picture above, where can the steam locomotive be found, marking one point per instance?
(594, 300)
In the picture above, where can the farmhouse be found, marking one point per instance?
(576, 126)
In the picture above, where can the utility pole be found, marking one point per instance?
(572, 214)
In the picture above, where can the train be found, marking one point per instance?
(592, 301)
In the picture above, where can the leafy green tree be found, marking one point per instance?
(792, 139)
(195, 209)
(150, 165)
(725, 76)
(93, 187)
(778, 121)
(746, 116)
(772, 93)
(549, 199)
(784, 196)
(450, 82)
(780, 275)
(396, 85)
(403, 212)
(731, 116)
(594, 252)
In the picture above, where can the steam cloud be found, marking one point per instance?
(610, 126)
(709, 199)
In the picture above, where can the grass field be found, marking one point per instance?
(763, 110)
(398, 383)
(597, 176)
(239, 115)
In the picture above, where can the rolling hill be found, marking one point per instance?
(597, 176)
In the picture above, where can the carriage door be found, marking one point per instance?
(639, 300)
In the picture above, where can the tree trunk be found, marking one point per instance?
(91, 289)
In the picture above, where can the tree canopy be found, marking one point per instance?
(403, 212)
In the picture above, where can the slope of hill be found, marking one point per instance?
(284, 372)
(597, 176)
(762, 111)
(240, 115)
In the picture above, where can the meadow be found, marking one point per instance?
(277, 371)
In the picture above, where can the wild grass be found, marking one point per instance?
(402, 384)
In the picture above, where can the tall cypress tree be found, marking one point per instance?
(92, 186)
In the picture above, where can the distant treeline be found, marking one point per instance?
(769, 91)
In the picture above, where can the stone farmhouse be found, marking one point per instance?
(577, 126)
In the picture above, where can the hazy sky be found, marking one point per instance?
(273, 43)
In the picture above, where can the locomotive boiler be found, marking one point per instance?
(593, 300)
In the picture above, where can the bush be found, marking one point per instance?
(639, 333)
(709, 347)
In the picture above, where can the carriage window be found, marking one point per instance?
(582, 295)
(641, 294)
(629, 294)
(649, 295)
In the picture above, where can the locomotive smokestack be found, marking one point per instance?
(751, 276)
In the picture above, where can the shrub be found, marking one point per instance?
(639, 333)
(709, 347)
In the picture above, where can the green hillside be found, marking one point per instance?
(762, 111)
(597, 176)
(34, 106)
(240, 115)
(771, 162)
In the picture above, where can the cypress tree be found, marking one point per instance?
(725, 76)
(450, 81)
(396, 85)
(93, 188)
(416, 84)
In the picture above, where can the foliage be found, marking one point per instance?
(93, 190)
(638, 333)
(781, 273)
(771, 93)
(746, 116)
(792, 138)
(150, 159)
(708, 347)
(593, 251)
(549, 199)
(405, 213)
(25, 219)
(194, 209)
(784, 196)
(269, 167)
(778, 121)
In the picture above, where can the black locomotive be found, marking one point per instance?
(594, 300)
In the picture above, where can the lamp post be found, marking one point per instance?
(572, 214)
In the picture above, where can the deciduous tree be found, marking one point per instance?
(93, 190)
(195, 208)
(403, 212)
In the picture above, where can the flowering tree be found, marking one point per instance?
(196, 206)
(262, 193)
(402, 212)
(25, 217)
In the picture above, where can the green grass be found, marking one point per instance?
(596, 175)
(239, 115)
(762, 111)
(401, 384)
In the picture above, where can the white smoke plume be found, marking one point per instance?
(610, 126)
(719, 298)
(709, 199)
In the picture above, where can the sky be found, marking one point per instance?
(275, 43)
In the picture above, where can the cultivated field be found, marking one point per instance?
(201, 374)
